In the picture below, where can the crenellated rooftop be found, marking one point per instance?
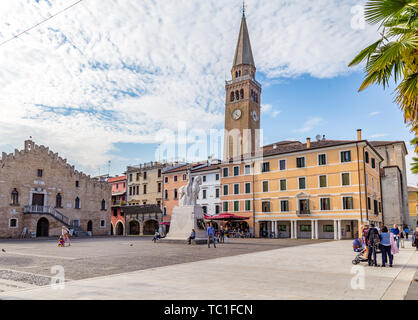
(31, 147)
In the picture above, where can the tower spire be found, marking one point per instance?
(243, 8)
(243, 52)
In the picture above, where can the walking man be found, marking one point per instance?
(210, 231)
(373, 243)
(406, 232)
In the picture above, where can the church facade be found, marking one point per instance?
(40, 192)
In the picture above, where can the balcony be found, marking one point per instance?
(303, 212)
(243, 78)
(118, 203)
(34, 209)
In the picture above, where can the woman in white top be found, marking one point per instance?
(66, 234)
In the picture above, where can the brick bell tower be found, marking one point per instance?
(242, 108)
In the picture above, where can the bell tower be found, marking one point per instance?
(242, 107)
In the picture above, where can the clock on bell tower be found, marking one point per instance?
(242, 107)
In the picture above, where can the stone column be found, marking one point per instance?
(312, 229)
(316, 230)
(335, 230)
(276, 228)
(292, 230)
(339, 229)
(296, 228)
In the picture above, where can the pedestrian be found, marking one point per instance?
(210, 231)
(192, 236)
(406, 229)
(222, 235)
(226, 234)
(385, 246)
(65, 233)
(61, 242)
(415, 239)
(395, 231)
(373, 244)
(156, 236)
(402, 237)
(365, 234)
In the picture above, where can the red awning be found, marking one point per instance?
(165, 223)
(226, 217)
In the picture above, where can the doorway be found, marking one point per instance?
(38, 199)
(42, 228)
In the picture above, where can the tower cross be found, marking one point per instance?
(244, 6)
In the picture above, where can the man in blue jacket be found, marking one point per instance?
(210, 231)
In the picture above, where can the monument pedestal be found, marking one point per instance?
(183, 220)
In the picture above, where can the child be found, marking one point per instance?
(61, 242)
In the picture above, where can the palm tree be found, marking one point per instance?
(395, 54)
(415, 159)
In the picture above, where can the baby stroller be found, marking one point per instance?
(361, 255)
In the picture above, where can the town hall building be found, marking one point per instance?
(40, 192)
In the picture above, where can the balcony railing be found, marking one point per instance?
(118, 203)
(243, 78)
(34, 209)
(304, 212)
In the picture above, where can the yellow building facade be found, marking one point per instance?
(413, 205)
(323, 189)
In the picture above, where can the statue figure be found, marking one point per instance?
(189, 193)
(196, 189)
(182, 196)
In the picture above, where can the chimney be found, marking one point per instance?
(308, 143)
(358, 134)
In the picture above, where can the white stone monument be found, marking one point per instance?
(187, 215)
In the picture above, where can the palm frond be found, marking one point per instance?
(365, 53)
(407, 97)
(381, 10)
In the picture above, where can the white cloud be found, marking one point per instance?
(310, 124)
(372, 114)
(114, 71)
(411, 178)
(269, 111)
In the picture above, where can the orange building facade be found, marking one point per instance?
(119, 186)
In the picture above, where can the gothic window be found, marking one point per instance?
(239, 73)
(256, 98)
(236, 95)
(77, 203)
(15, 197)
(58, 201)
(236, 74)
(232, 96)
(241, 93)
(103, 204)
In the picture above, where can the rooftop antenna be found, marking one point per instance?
(318, 137)
(108, 168)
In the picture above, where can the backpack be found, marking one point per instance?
(375, 240)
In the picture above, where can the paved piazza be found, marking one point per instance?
(136, 268)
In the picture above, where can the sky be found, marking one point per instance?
(109, 80)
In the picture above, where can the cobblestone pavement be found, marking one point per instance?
(93, 257)
(320, 270)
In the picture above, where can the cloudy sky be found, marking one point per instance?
(102, 80)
